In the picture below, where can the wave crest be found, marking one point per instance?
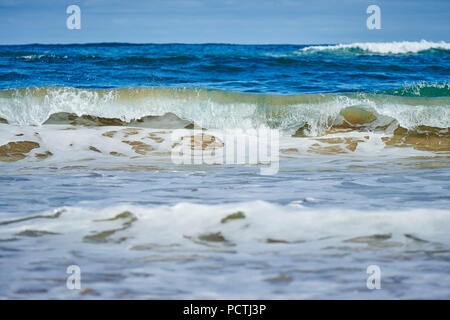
(401, 47)
(221, 109)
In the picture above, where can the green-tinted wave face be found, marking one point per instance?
(421, 90)
(224, 109)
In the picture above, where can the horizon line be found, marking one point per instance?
(201, 43)
(161, 43)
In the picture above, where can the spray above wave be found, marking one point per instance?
(223, 109)
(383, 48)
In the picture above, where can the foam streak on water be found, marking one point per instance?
(271, 251)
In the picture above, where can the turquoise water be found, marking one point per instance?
(87, 177)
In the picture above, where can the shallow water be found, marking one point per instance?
(87, 177)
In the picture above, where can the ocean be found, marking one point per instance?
(360, 157)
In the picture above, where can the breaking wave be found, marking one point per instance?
(401, 47)
(408, 107)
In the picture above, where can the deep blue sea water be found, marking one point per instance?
(283, 69)
(86, 174)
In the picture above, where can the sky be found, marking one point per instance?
(223, 21)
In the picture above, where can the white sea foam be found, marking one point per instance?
(261, 220)
(401, 47)
(270, 251)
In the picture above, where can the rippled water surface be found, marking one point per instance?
(87, 176)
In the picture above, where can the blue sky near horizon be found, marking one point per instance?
(223, 21)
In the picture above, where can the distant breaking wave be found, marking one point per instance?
(401, 47)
